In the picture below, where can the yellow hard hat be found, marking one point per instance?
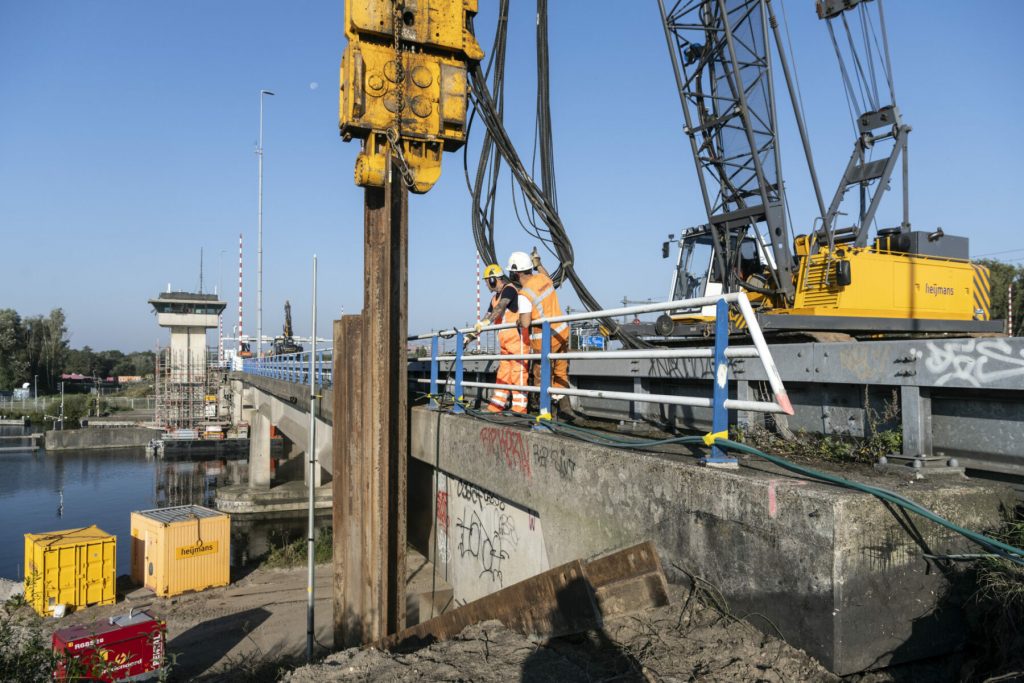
(493, 270)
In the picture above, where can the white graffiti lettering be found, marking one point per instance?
(978, 362)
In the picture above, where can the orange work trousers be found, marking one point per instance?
(559, 367)
(512, 372)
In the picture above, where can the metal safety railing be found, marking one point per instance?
(293, 367)
(720, 403)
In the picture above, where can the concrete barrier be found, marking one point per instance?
(832, 571)
(99, 437)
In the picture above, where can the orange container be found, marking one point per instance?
(180, 549)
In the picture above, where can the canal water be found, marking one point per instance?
(41, 492)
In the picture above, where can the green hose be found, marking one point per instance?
(1004, 550)
(992, 545)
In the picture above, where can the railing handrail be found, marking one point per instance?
(293, 367)
(699, 302)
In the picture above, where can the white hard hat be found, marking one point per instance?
(519, 262)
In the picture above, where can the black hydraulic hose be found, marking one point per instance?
(489, 111)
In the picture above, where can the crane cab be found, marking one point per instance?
(699, 273)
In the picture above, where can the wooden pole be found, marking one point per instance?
(371, 434)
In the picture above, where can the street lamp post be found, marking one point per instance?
(259, 238)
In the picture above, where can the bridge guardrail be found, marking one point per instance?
(720, 403)
(293, 367)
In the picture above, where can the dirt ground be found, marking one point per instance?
(243, 631)
(255, 630)
(685, 641)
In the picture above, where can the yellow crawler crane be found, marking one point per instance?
(883, 281)
(407, 90)
(837, 278)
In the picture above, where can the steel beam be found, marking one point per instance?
(916, 412)
(371, 440)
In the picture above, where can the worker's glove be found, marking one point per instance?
(470, 336)
(479, 326)
(535, 258)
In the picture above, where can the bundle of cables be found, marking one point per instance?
(539, 217)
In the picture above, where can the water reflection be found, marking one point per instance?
(72, 489)
(42, 492)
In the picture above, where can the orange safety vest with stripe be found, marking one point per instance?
(511, 337)
(539, 289)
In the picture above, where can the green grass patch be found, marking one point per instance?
(883, 429)
(825, 448)
(996, 615)
(294, 554)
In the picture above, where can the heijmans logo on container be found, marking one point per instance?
(198, 548)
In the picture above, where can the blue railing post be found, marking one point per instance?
(320, 369)
(457, 408)
(545, 371)
(434, 404)
(719, 414)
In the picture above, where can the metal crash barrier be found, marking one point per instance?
(720, 403)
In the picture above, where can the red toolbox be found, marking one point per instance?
(128, 647)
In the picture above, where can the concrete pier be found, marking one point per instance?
(835, 572)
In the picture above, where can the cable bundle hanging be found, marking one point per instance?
(540, 203)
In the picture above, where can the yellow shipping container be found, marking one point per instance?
(74, 568)
(181, 549)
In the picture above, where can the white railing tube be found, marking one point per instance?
(607, 313)
(778, 389)
(638, 354)
(667, 399)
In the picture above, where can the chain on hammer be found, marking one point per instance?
(394, 133)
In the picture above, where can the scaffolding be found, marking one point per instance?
(186, 391)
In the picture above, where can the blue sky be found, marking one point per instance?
(128, 129)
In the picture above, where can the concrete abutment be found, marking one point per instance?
(835, 572)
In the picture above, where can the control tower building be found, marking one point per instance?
(183, 379)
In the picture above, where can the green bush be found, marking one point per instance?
(294, 554)
(25, 653)
(997, 617)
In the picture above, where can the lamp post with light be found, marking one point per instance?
(259, 238)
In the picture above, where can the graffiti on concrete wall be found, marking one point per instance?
(485, 542)
(508, 448)
(555, 459)
(477, 496)
(441, 508)
(489, 544)
(978, 362)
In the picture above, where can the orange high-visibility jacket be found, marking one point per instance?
(513, 342)
(539, 289)
(508, 338)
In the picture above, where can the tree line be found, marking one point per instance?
(1001, 276)
(37, 348)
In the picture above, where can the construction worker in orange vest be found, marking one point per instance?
(536, 286)
(508, 306)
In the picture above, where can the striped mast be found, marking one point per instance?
(220, 337)
(478, 344)
(238, 332)
(1009, 310)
